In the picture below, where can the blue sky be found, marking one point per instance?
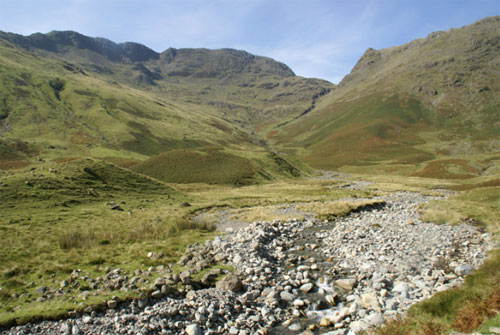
(316, 38)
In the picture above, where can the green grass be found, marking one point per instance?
(479, 205)
(215, 166)
(190, 166)
(54, 218)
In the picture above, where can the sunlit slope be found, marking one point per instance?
(49, 106)
(128, 97)
(433, 97)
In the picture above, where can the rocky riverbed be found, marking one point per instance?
(298, 277)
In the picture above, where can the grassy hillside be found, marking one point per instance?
(99, 98)
(88, 115)
(436, 97)
(432, 99)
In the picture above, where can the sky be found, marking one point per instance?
(316, 38)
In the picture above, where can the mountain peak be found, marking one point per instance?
(366, 63)
(56, 41)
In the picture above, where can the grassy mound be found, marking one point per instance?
(215, 166)
(448, 169)
(209, 166)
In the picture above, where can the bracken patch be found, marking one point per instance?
(477, 310)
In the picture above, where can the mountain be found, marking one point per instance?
(434, 98)
(66, 94)
(422, 108)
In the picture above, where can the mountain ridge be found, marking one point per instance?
(66, 94)
(431, 98)
(55, 41)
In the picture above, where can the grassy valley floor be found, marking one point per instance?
(77, 218)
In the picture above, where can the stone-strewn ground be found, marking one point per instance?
(296, 277)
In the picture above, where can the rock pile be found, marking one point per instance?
(294, 277)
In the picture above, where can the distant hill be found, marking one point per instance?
(434, 97)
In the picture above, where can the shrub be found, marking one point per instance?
(57, 85)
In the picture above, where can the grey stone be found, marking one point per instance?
(346, 284)
(159, 282)
(369, 301)
(230, 282)
(306, 287)
(401, 287)
(463, 270)
(287, 296)
(112, 303)
(164, 289)
(185, 277)
(65, 329)
(156, 294)
(193, 329)
(374, 319)
(358, 326)
(237, 259)
(41, 290)
(299, 303)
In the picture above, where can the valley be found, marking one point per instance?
(215, 192)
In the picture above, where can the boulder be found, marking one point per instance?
(287, 296)
(463, 270)
(230, 282)
(306, 287)
(346, 284)
(193, 329)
